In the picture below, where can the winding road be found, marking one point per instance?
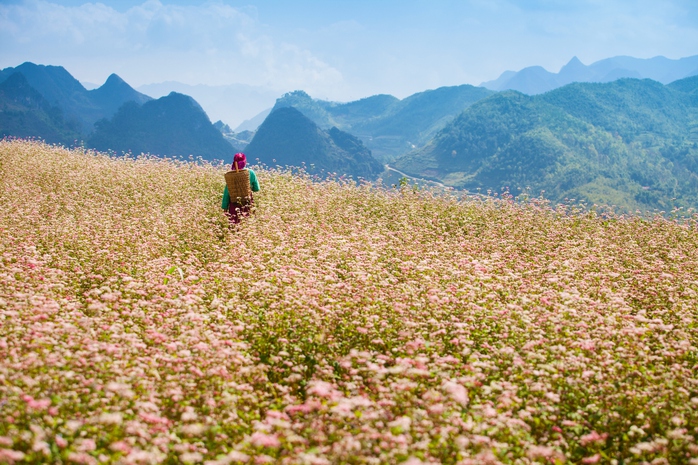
(387, 167)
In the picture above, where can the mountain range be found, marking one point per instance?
(237, 139)
(630, 142)
(174, 125)
(388, 126)
(230, 103)
(61, 90)
(49, 103)
(536, 80)
(287, 137)
(24, 112)
(253, 123)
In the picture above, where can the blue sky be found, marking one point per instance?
(336, 49)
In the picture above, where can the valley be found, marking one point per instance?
(628, 143)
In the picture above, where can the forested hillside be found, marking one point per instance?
(631, 143)
(24, 112)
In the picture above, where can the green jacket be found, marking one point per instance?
(254, 184)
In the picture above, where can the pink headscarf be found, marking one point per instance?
(241, 159)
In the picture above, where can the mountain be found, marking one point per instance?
(237, 139)
(253, 123)
(47, 102)
(630, 142)
(289, 138)
(627, 107)
(55, 84)
(315, 110)
(500, 82)
(688, 85)
(574, 71)
(659, 68)
(233, 103)
(536, 80)
(418, 117)
(689, 88)
(24, 112)
(388, 126)
(62, 90)
(174, 126)
(532, 80)
(114, 93)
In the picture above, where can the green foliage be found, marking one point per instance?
(630, 143)
(688, 85)
(627, 107)
(26, 113)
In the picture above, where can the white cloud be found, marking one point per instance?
(335, 50)
(211, 43)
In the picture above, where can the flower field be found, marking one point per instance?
(341, 323)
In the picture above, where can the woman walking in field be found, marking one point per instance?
(240, 206)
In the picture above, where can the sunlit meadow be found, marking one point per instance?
(341, 323)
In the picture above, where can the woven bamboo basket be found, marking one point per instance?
(238, 182)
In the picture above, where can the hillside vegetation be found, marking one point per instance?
(632, 143)
(341, 323)
(26, 113)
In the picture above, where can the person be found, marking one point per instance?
(236, 210)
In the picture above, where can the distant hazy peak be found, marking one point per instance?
(177, 97)
(43, 76)
(573, 64)
(496, 84)
(28, 65)
(297, 94)
(115, 84)
(114, 79)
(535, 80)
(222, 127)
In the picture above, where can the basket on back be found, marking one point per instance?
(238, 183)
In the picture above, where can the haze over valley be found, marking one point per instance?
(627, 142)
